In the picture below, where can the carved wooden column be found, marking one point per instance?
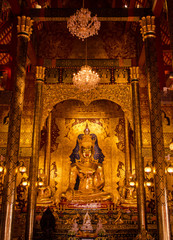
(148, 34)
(139, 162)
(8, 202)
(33, 170)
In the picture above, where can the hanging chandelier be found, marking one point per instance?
(86, 79)
(82, 25)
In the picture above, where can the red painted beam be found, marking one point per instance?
(141, 61)
(131, 7)
(31, 54)
(132, 3)
(145, 3)
(157, 7)
(117, 4)
(15, 7)
(29, 3)
(113, 3)
(59, 4)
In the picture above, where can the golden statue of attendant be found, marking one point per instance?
(86, 179)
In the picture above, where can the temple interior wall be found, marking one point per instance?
(70, 117)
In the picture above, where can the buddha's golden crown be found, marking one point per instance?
(87, 138)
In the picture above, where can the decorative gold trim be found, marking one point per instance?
(134, 73)
(147, 27)
(40, 73)
(24, 27)
(56, 93)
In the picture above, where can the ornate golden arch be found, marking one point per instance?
(117, 93)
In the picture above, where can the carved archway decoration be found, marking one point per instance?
(55, 93)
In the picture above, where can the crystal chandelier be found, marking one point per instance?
(82, 25)
(86, 79)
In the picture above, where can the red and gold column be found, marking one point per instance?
(148, 34)
(24, 30)
(139, 162)
(33, 170)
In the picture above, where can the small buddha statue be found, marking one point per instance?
(87, 226)
(86, 179)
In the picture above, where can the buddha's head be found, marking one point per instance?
(87, 149)
(86, 146)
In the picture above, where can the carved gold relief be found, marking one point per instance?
(121, 76)
(53, 94)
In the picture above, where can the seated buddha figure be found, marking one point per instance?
(86, 180)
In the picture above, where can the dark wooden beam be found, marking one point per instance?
(122, 14)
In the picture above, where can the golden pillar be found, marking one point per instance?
(158, 153)
(139, 162)
(48, 149)
(33, 170)
(24, 30)
(128, 169)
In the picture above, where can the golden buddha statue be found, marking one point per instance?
(86, 179)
